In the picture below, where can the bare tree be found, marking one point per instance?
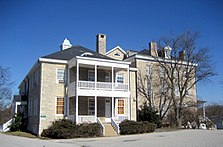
(214, 110)
(184, 65)
(5, 87)
(154, 89)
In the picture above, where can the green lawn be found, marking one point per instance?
(22, 134)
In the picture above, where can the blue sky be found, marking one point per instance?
(30, 29)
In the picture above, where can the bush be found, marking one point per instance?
(63, 129)
(132, 127)
(18, 123)
(149, 114)
(88, 130)
(60, 129)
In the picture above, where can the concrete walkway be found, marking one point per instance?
(180, 138)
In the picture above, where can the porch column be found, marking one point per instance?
(112, 78)
(112, 107)
(129, 108)
(77, 80)
(128, 76)
(95, 106)
(67, 94)
(95, 77)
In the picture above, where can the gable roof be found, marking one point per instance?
(117, 47)
(74, 51)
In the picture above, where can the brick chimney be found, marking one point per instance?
(182, 55)
(153, 49)
(101, 44)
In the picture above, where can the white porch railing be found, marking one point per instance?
(86, 119)
(102, 85)
(102, 126)
(115, 125)
(121, 86)
(86, 84)
(5, 126)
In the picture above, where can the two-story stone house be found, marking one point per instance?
(87, 86)
(79, 84)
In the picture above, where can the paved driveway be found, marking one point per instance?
(182, 138)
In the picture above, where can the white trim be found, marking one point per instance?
(77, 92)
(133, 69)
(103, 60)
(113, 108)
(53, 60)
(95, 108)
(137, 56)
(117, 47)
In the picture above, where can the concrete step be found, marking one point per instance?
(109, 130)
(102, 119)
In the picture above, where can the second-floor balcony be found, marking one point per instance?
(101, 85)
(97, 76)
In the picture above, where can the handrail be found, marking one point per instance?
(102, 85)
(5, 126)
(102, 126)
(211, 122)
(115, 125)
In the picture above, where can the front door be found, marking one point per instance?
(107, 110)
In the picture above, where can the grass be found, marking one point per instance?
(21, 134)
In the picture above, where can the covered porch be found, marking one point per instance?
(91, 108)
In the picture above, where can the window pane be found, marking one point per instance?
(120, 110)
(60, 106)
(60, 74)
(120, 78)
(120, 106)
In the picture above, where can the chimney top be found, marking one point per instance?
(66, 44)
(153, 49)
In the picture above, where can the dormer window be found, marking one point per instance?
(86, 54)
(117, 54)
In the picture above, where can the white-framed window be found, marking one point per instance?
(91, 106)
(59, 105)
(91, 75)
(121, 106)
(60, 75)
(119, 78)
(107, 76)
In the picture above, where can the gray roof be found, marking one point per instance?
(74, 51)
(144, 52)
